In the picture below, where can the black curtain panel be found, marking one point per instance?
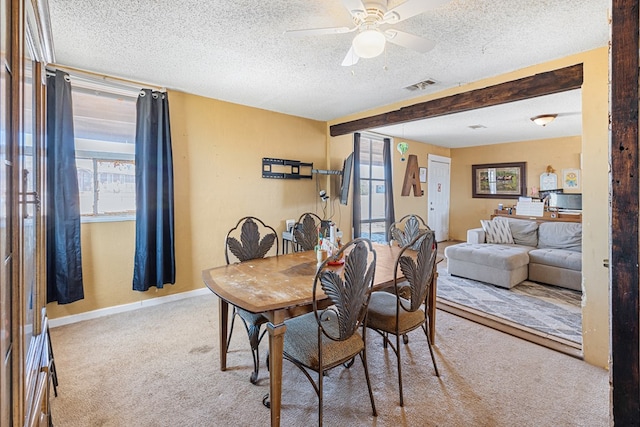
(357, 214)
(64, 258)
(390, 216)
(154, 263)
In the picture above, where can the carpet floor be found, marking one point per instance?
(158, 366)
(549, 309)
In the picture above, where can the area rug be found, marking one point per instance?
(548, 309)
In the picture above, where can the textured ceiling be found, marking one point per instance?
(235, 50)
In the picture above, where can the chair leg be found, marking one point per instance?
(363, 359)
(320, 377)
(233, 319)
(253, 331)
(399, 369)
(435, 365)
(254, 339)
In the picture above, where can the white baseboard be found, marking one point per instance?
(66, 320)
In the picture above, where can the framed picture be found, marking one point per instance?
(499, 180)
(548, 181)
(423, 174)
(571, 179)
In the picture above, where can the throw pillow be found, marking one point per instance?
(524, 232)
(497, 231)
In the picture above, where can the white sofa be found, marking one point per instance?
(550, 252)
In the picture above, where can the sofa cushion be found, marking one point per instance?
(524, 232)
(560, 258)
(497, 231)
(560, 235)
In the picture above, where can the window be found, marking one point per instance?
(372, 189)
(104, 120)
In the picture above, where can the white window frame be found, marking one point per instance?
(92, 150)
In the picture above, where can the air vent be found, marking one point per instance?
(475, 127)
(421, 85)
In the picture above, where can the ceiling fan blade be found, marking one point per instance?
(319, 31)
(411, 8)
(351, 58)
(411, 41)
(355, 7)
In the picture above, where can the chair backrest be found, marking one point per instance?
(305, 231)
(348, 288)
(418, 267)
(406, 229)
(250, 239)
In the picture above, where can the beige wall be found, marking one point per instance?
(596, 221)
(218, 149)
(561, 153)
(595, 179)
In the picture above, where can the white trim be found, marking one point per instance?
(106, 218)
(74, 318)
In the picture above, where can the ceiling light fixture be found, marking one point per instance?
(544, 119)
(369, 43)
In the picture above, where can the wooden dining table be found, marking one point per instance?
(280, 287)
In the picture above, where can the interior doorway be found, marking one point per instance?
(439, 170)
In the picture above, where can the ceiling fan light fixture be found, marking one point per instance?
(544, 119)
(369, 43)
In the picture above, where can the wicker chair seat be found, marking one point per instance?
(382, 314)
(300, 342)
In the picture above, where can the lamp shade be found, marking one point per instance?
(369, 43)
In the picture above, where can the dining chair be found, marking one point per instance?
(402, 232)
(305, 231)
(333, 333)
(391, 314)
(251, 238)
(406, 229)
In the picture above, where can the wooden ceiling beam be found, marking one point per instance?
(546, 83)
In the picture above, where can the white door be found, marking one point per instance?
(438, 196)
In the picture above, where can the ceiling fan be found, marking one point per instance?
(369, 16)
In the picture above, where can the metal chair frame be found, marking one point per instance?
(412, 225)
(305, 231)
(418, 268)
(350, 299)
(250, 246)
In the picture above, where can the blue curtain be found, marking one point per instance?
(357, 205)
(154, 263)
(389, 214)
(64, 258)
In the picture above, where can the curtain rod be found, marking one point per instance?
(97, 76)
